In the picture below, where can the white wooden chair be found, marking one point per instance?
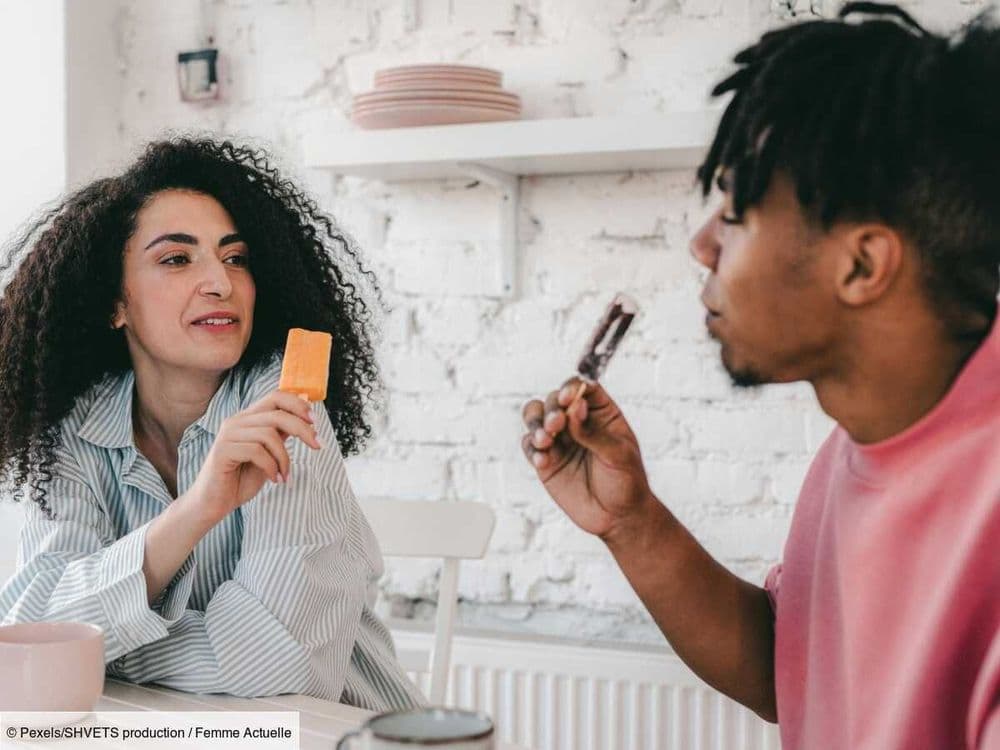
(451, 531)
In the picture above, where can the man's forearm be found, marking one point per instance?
(721, 626)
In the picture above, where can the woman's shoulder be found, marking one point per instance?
(90, 427)
(90, 410)
(253, 383)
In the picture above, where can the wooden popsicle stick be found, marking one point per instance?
(579, 392)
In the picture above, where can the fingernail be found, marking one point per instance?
(566, 392)
(537, 459)
(581, 411)
(550, 418)
(280, 478)
(309, 418)
(541, 435)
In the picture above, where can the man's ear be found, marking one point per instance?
(118, 317)
(870, 261)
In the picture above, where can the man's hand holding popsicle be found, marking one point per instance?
(582, 448)
(250, 446)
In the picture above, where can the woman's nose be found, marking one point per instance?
(216, 281)
(705, 245)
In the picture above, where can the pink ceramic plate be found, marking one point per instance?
(416, 80)
(416, 115)
(457, 67)
(438, 82)
(486, 75)
(473, 71)
(381, 97)
(434, 103)
(380, 80)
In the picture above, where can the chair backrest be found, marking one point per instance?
(451, 531)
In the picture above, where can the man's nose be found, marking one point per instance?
(705, 245)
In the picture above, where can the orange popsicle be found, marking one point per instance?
(306, 366)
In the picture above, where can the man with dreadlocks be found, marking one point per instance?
(857, 249)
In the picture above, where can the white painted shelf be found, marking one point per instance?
(522, 147)
(500, 152)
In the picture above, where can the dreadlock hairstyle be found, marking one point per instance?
(55, 335)
(878, 120)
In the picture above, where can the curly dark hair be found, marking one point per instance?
(55, 336)
(878, 119)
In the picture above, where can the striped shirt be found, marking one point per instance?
(276, 598)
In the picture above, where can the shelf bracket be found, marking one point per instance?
(509, 186)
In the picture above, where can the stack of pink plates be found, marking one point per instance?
(434, 95)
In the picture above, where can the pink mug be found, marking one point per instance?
(51, 666)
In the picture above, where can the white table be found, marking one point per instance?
(321, 723)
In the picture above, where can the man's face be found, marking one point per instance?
(770, 295)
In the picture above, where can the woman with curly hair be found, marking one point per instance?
(202, 518)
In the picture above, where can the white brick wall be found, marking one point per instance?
(458, 361)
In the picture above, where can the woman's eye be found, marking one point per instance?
(730, 219)
(238, 260)
(174, 260)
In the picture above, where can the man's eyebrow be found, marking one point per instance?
(187, 239)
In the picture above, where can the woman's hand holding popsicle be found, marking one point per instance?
(250, 449)
(587, 457)
(250, 446)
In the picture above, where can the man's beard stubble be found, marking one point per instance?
(741, 377)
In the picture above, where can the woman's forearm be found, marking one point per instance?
(171, 537)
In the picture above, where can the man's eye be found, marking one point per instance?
(730, 219)
(174, 260)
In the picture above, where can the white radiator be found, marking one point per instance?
(552, 696)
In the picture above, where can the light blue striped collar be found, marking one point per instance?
(108, 424)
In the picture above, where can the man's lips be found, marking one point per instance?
(709, 310)
(711, 318)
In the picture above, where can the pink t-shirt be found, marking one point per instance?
(887, 602)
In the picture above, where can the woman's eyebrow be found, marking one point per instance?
(187, 239)
(184, 239)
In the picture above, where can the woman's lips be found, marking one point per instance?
(216, 327)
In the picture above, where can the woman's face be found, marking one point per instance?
(188, 292)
